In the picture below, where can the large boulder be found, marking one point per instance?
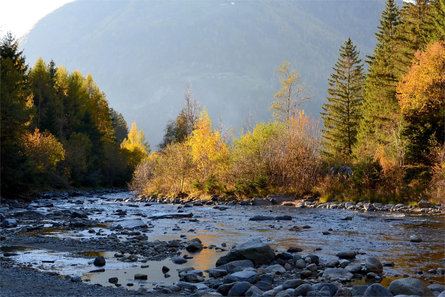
(377, 290)
(255, 250)
(374, 265)
(409, 286)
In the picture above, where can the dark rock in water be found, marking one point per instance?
(9, 223)
(99, 261)
(283, 218)
(10, 254)
(113, 280)
(284, 256)
(194, 245)
(347, 255)
(377, 290)
(293, 249)
(179, 260)
(373, 265)
(78, 214)
(292, 284)
(303, 289)
(255, 250)
(97, 270)
(388, 263)
(306, 227)
(76, 279)
(140, 276)
(347, 218)
(409, 286)
(415, 238)
(172, 215)
(239, 288)
(262, 218)
(165, 269)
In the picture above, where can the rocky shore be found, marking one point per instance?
(252, 268)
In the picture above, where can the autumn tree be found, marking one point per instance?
(290, 96)
(342, 113)
(421, 94)
(43, 150)
(136, 146)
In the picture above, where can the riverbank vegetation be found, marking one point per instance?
(58, 131)
(381, 137)
(382, 131)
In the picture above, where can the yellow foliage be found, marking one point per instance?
(43, 150)
(422, 89)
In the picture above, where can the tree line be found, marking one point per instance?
(382, 135)
(58, 131)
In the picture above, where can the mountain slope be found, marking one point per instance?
(143, 54)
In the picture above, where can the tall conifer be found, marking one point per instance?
(342, 112)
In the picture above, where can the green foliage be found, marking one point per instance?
(342, 113)
(119, 125)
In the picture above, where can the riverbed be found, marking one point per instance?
(323, 232)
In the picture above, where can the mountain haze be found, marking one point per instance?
(144, 54)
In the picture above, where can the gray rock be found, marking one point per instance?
(254, 250)
(179, 260)
(76, 279)
(286, 293)
(276, 269)
(343, 292)
(302, 290)
(253, 291)
(442, 294)
(337, 274)
(415, 238)
(294, 249)
(224, 289)
(306, 273)
(113, 280)
(140, 276)
(358, 290)
(9, 223)
(332, 263)
(99, 261)
(347, 255)
(409, 286)
(235, 266)
(245, 275)
(300, 264)
(354, 268)
(377, 290)
(194, 245)
(388, 263)
(436, 288)
(331, 287)
(262, 218)
(373, 265)
(292, 283)
(216, 272)
(259, 201)
(264, 285)
(312, 267)
(343, 263)
(239, 288)
(314, 259)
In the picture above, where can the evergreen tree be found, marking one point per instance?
(341, 114)
(15, 117)
(380, 106)
(120, 126)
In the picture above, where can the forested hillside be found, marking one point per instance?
(144, 54)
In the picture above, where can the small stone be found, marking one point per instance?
(99, 261)
(165, 269)
(415, 238)
(140, 276)
(302, 290)
(294, 249)
(179, 260)
(113, 280)
(76, 279)
(373, 265)
(347, 255)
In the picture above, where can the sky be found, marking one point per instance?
(19, 16)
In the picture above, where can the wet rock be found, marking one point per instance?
(300, 263)
(260, 201)
(302, 290)
(9, 223)
(283, 218)
(235, 266)
(97, 270)
(347, 255)
(165, 269)
(10, 254)
(388, 263)
(254, 250)
(312, 267)
(194, 245)
(375, 290)
(358, 290)
(245, 275)
(373, 265)
(313, 259)
(284, 256)
(262, 218)
(343, 292)
(276, 269)
(346, 218)
(253, 291)
(239, 288)
(415, 238)
(306, 274)
(171, 215)
(332, 263)
(193, 276)
(216, 272)
(330, 287)
(99, 261)
(179, 260)
(343, 263)
(354, 268)
(113, 280)
(337, 274)
(286, 293)
(409, 286)
(436, 288)
(292, 284)
(294, 249)
(140, 276)
(264, 285)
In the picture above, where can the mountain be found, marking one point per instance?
(143, 54)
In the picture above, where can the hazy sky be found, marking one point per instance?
(19, 16)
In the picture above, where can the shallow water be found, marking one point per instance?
(384, 235)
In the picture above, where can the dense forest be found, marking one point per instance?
(381, 137)
(58, 131)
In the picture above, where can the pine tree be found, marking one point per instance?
(16, 114)
(380, 106)
(341, 114)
